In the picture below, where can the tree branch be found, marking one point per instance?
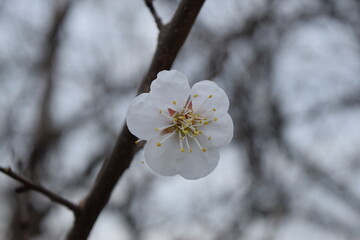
(149, 4)
(171, 38)
(28, 184)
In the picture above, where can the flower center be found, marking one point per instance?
(185, 123)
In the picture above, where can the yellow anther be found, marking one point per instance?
(160, 111)
(203, 149)
(200, 132)
(174, 102)
(209, 138)
(195, 95)
(215, 119)
(158, 144)
(182, 117)
(210, 96)
(182, 150)
(205, 118)
(206, 123)
(190, 149)
(214, 109)
(156, 129)
(137, 141)
(186, 131)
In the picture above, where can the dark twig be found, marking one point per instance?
(40, 189)
(149, 4)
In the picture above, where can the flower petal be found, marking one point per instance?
(207, 97)
(143, 117)
(220, 131)
(198, 164)
(163, 160)
(168, 88)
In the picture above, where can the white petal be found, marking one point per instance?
(163, 160)
(198, 164)
(220, 131)
(217, 105)
(170, 86)
(143, 117)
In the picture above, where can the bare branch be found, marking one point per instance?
(149, 4)
(28, 184)
(171, 38)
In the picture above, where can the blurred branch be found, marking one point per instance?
(45, 135)
(149, 4)
(29, 185)
(315, 172)
(171, 38)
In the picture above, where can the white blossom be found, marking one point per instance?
(183, 126)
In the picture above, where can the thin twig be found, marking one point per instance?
(149, 4)
(40, 189)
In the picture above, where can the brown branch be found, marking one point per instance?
(40, 189)
(149, 4)
(171, 38)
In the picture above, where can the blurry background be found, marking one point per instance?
(291, 68)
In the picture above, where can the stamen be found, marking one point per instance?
(208, 137)
(210, 96)
(196, 95)
(215, 119)
(181, 145)
(187, 144)
(197, 143)
(159, 143)
(174, 102)
(165, 127)
(214, 109)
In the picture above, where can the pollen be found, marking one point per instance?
(182, 149)
(195, 95)
(206, 123)
(210, 96)
(158, 144)
(156, 129)
(215, 119)
(214, 109)
(174, 102)
(203, 149)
